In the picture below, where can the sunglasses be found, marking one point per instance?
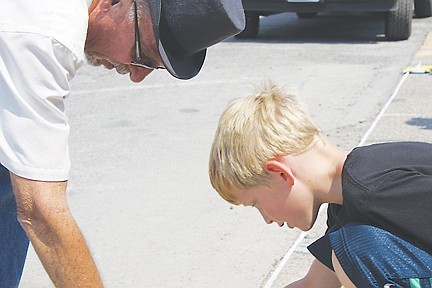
(137, 57)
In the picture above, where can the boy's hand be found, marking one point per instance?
(319, 276)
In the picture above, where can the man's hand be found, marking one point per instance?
(44, 214)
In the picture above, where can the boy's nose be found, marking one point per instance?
(268, 220)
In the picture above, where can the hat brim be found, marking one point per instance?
(181, 67)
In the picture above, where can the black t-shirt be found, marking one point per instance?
(388, 186)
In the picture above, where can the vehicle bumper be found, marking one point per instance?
(345, 6)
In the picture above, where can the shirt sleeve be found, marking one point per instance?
(34, 81)
(321, 249)
(402, 206)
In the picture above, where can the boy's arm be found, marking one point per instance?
(319, 276)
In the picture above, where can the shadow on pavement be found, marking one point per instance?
(423, 123)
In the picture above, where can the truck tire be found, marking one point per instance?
(251, 27)
(398, 22)
(423, 8)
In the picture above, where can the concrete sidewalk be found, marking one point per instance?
(407, 116)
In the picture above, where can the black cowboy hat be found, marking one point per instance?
(184, 29)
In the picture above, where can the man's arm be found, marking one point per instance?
(319, 276)
(44, 214)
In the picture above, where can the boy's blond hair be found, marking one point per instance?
(253, 130)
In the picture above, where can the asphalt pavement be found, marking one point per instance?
(139, 187)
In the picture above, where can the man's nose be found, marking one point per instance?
(137, 74)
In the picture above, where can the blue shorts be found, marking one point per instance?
(372, 257)
(13, 240)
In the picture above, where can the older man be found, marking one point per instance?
(41, 48)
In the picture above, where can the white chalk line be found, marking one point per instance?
(380, 115)
(281, 265)
(303, 234)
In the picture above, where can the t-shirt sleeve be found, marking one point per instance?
(390, 186)
(402, 206)
(34, 80)
(321, 248)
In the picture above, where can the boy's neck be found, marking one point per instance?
(338, 157)
(324, 162)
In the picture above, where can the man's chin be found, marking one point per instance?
(96, 60)
(93, 59)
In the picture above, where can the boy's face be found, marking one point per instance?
(282, 203)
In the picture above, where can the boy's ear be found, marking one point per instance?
(280, 169)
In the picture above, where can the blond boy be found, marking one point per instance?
(268, 153)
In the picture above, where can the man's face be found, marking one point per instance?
(111, 38)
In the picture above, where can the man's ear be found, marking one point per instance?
(280, 169)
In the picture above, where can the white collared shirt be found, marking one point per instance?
(63, 20)
(41, 48)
